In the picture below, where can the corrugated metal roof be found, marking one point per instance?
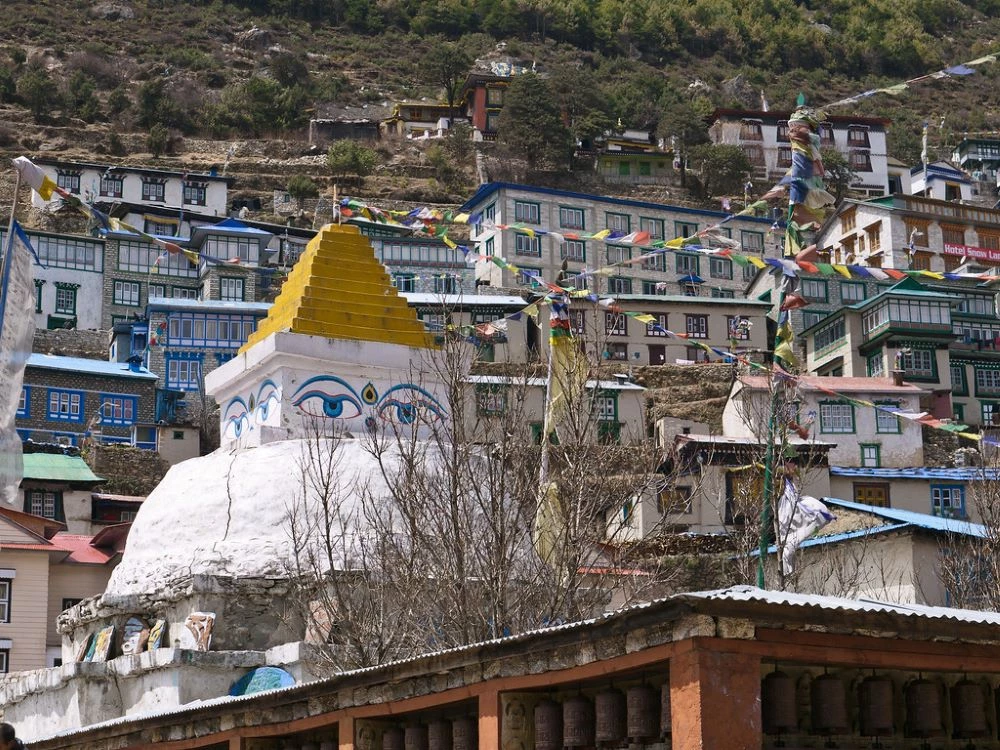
(58, 468)
(88, 366)
(216, 305)
(449, 300)
(957, 474)
(911, 518)
(608, 385)
(848, 384)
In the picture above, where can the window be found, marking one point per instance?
(721, 268)
(494, 96)
(815, 290)
(718, 293)
(127, 293)
(857, 135)
(184, 374)
(44, 503)
(991, 413)
(687, 263)
(112, 186)
(153, 190)
(751, 130)
(685, 229)
(695, 354)
(445, 284)
(619, 285)
(617, 254)
(617, 352)
(527, 213)
(621, 223)
(491, 400)
(117, 409)
(697, 326)
(526, 245)
(24, 402)
(916, 231)
(749, 271)
(988, 240)
(404, 282)
(987, 382)
(38, 294)
(852, 291)
(489, 247)
(571, 218)
(624, 168)
(885, 421)
(68, 181)
(752, 242)
(958, 385)
(835, 417)
(653, 226)
(919, 363)
(65, 406)
(876, 365)
(860, 161)
(755, 153)
(948, 500)
(784, 156)
(615, 324)
(66, 298)
(181, 292)
(161, 227)
(870, 456)
(231, 289)
(573, 250)
(577, 321)
(809, 319)
(848, 221)
(830, 334)
(606, 408)
(69, 602)
(874, 233)
(528, 276)
(195, 193)
(5, 599)
(920, 261)
(655, 262)
(492, 121)
(226, 248)
(872, 494)
(657, 327)
(209, 330)
(673, 499)
(654, 288)
(490, 214)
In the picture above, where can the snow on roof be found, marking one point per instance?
(89, 366)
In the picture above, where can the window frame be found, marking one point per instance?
(118, 293)
(525, 210)
(937, 506)
(825, 426)
(866, 460)
(698, 331)
(59, 415)
(237, 282)
(619, 218)
(128, 405)
(566, 215)
(6, 601)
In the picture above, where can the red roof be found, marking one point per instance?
(80, 549)
(854, 385)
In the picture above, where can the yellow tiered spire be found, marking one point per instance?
(338, 289)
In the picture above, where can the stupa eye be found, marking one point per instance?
(327, 396)
(267, 398)
(406, 404)
(236, 420)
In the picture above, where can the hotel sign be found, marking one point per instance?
(982, 254)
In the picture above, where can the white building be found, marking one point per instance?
(940, 180)
(764, 138)
(113, 183)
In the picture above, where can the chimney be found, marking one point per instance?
(897, 377)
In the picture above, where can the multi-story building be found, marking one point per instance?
(108, 184)
(980, 157)
(191, 337)
(57, 485)
(940, 180)
(763, 135)
(564, 212)
(477, 318)
(423, 264)
(483, 95)
(68, 282)
(65, 399)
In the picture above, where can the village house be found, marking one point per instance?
(483, 93)
(942, 181)
(483, 320)
(65, 399)
(418, 119)
(550, 210)
(108, 184)
(763, 136)
(980, 159)
(58, 485)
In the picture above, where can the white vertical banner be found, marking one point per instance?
(17, 327)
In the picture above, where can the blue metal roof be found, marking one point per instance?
(485, 191)
(910, 518)
(957, 474)
(209, 305)
(89, 366)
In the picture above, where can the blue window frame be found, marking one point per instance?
(118, 409)
(184, 371)
(24, 404)
(65, 406)
(948, 500)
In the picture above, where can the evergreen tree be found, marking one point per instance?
(531, 126)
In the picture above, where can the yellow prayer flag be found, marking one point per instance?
(645, 318)
(35, 177)
(448, 242)
(461, 219)
(842, 270)
(756, 261)
(601, 235)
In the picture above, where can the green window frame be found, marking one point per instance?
(66, 298)
(987, 382)
(38, 295)
(685, 229)
(816, 290)
(856, 289)
(687, 263)
(875, 364)
(871, 455)
(527, 212)
(925, 355)
(959, 385)
(886, 423)
(990, 411)
(624, 169)
(536, 434)
(618, 222)
(958, 412)
(491, 400)
(837, 418)
(572, 217)
(645, 169)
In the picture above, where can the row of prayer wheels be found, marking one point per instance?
(924, 703)
(611, 718)
(440, 734)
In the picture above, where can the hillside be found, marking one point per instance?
(233, 84)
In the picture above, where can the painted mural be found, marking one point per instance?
(331, 397)
(242, 415)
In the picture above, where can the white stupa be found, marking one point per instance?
(339, 347)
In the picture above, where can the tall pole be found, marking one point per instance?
(766, 512)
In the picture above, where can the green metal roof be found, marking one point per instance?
(58, 468)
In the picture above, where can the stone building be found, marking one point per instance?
(65, 399)
(564, 212)
(58, 485)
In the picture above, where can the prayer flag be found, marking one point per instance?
(35, 177)
(799, 517)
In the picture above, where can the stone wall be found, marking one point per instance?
(72, 343)
(127, 470)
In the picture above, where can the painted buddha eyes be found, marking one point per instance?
(236, 418)
(405, 404)
(267, 398)
(329, 397)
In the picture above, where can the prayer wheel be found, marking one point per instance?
(829, 705)
(875, 714)
(464, 734)
(666, 720)
(923, 709)
(578, 722)
(392, 739)
(968, 710)
(439, 735)
(610, 714)
(548, 726)
(779, 714)
(415, 737)
(642, 708)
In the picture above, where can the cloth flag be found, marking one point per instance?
(799, 517)
(35, 177)
(17, 326)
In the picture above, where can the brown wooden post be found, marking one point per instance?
(489, 720)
